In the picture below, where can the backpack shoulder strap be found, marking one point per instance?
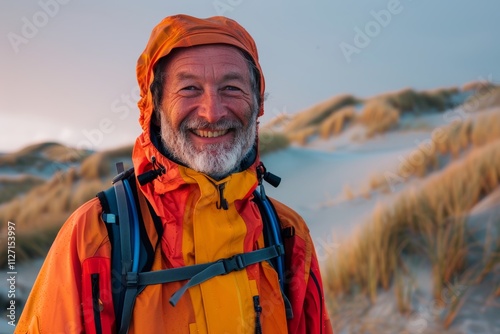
(132, 251)
(272, 229)
(273, 236)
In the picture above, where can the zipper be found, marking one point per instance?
(258, 311)
(222, 203)
(96, 303)
(318, 287)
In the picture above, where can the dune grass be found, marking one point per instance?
(451, 141)
(381, 113)
(11, 187)
(378, 116)
(41, 155)
(485, 97)
(101, 164)
(445, 143)
(303, 135)
(336, 122)
(270, 141)
(428, 221)
(308, 123)
(408, 99)
(40, 213)
(318, 113)
(278, 121)
(333, 124)
(63, 193)
(476, 86)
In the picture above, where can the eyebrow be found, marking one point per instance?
(232, 76)
(184, 76)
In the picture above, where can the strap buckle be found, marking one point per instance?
(234, 263)
(132, 279)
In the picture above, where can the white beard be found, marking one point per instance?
(215, 160)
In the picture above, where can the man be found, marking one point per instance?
(202, 90)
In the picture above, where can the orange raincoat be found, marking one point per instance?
(195, 231)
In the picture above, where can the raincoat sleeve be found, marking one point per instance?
(316, 314)
(305, 287)
(54, 304)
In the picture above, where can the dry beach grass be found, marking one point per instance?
(41, 211)
(429, 221)
(378, 114)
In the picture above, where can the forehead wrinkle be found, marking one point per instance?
(186, 75)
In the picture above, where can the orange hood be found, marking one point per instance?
(183, 31)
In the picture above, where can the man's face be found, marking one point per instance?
(208, 114)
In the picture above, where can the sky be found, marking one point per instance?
(67, 69)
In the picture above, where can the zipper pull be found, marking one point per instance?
(222, 203)
(258, 310)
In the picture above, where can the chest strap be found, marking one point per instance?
(195, 274)
(199, 273)
(223, 267)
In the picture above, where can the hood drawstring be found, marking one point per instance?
(158, 170)
(263, 174)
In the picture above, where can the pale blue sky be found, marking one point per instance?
(64, 80)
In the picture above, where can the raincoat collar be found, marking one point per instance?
(238, 185)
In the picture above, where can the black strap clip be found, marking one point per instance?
(234, 263)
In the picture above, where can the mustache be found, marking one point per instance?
(198, 123)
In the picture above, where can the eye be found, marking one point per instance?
(189, 88)
(231, 88)
(189, 91)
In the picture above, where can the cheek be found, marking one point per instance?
(242, 109)
(175, 111)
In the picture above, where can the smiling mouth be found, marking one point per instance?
(210, 134)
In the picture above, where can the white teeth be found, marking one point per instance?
(210, 134)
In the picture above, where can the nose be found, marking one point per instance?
(212, 108)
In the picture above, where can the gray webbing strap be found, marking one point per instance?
(171, 275)
(225, 266)
(123, 214)
(128, 302)
(131, 288)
